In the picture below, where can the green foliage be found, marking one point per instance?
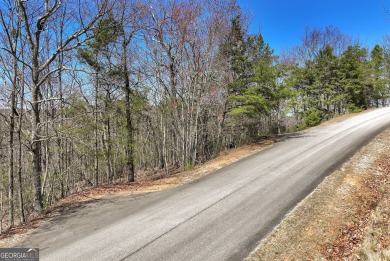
(377, 59)
(106, 32)
(335, 84)
(188, 166)
(380, 85)
(356, 76)
(251, 60)
(86, 55)
(251, 103)
(300, 127)
(327, 77)
(312, 117)
(234, 48)
(352, 108)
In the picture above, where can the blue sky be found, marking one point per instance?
(283, 21)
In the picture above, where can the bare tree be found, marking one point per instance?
(316, 39)
(37, 17)
(11, 26)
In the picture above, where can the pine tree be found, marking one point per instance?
(234, 51)
(327, 81)
(252, 99)
(106, 32)
(380, 82)
(356, 77)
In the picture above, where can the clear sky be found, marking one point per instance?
(282, 22)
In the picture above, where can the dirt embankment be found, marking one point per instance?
(346, 218)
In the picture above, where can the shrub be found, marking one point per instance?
(312, 117)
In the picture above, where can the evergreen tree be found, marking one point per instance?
(327, 81)
(252, 99)
(97, 55)
(234, 50)
(380, 82)
(356, 77)
(106, 32)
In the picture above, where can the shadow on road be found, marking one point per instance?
(284, 136)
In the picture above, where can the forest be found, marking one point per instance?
(116, 91)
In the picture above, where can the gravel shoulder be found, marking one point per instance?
(345, 218)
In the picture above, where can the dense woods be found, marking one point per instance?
(113, 91)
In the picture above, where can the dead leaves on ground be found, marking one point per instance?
(373, 197)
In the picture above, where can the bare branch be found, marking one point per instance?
(74, 36)
(26, 24)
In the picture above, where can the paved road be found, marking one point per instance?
(219, 217)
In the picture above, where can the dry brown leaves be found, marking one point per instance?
(353, 234)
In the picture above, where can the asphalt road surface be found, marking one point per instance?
(222, 216)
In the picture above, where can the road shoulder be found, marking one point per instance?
(345, 217)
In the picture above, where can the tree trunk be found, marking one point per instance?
(130, 138)
(129, 125)
(36, 146)
(11, 145)
(96, 171)
(21, 201)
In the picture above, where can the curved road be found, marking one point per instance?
(220, 217)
